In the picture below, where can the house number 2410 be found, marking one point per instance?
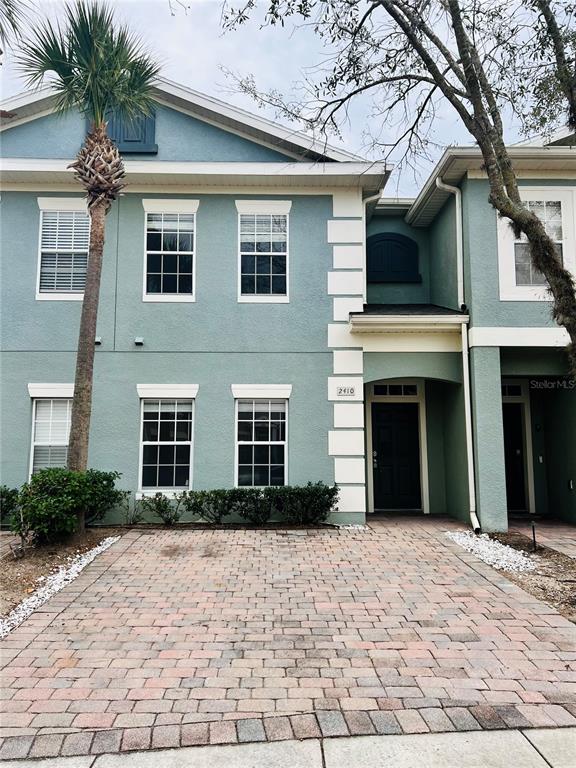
(345, 391)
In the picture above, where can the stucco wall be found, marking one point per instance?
(179, 137)
(443, 262)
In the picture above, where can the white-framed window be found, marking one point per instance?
(261, 442)
(170, 250)
(518, 279)
(63, 249)
(263, 274)
(50, 432)
(166, 444)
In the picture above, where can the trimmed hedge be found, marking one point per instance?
(310, 504)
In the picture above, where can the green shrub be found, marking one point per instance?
(303, 504)
(168, 510)
(252, 505)
(211, 506)
(102, 494)
(51, 503)
(294, 505)
(8, 504)
(132, 507)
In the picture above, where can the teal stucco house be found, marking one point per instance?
(268, 316)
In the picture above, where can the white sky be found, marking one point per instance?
(192, 49)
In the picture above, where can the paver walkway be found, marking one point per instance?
(555, 535)
(177, 638)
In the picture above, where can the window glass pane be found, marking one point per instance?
(168, 424)
(261, 462)
(51, 429)
(170, 270)
(264, 234)
(65, 238)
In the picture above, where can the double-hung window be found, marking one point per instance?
(519, 280)
(169, 267)
(261, 442)
(50, 432)
(166, 443)
(263, 257)
(64, 242)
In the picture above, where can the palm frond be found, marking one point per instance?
(13, 14)
(93, 64)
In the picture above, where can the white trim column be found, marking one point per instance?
(346, 284)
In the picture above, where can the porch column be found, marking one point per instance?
(488, 431)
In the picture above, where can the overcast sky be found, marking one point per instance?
(193, 49)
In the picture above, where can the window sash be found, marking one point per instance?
(165, 271)
(50, 432)
(263, 245)
(261, 459)
(551, 213)
(166, 443)
(64, 245)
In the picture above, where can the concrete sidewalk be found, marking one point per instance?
(537, 748)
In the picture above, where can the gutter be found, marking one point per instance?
(474, 522)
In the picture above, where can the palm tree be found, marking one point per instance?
(98, 68)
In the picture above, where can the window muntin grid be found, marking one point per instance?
(166, 443)
(64, 243)
(550, 213)
(170, 253)
(50, 432)
(263, 254)
(261, 440)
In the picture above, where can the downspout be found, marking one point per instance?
(475, 523)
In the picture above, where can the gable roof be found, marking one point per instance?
(301, 146)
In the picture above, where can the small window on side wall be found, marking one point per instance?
(392, 258)
(135, 135)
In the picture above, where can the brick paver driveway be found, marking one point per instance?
(184, 637)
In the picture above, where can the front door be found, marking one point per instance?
(396, 456)
(515, 456)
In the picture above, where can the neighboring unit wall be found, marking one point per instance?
(443, 261)
(401, 293)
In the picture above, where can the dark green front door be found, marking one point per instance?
(396, 456)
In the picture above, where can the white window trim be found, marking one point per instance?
(167, 391)
(270, 208)
(169, 492)
(56, 204)
(164, 205)
(237, 444)
(261, 391)
(420, 399)
(170, 206)
(524, 399)
(62, 204)
(47, 388)
(51, 391)
(509, 291)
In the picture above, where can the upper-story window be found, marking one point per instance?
(133, 135)
(263, 256)
(64, 243)
(519, 280)
(169, 268)
(550, 213)
(392, 258)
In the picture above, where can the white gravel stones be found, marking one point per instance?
(498, 555)
(52, 584)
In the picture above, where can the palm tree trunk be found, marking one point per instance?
(82, 403)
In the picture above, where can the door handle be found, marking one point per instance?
(375, 459)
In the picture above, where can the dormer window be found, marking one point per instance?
(392, 258)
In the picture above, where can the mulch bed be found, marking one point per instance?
(19, 576)
(554, 579)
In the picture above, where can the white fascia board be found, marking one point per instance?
(165, 205)
(381, 324)
(176, 391)
(277, 207)
(507, 336)
(51, 390)
(264, 391)
(62, 204)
